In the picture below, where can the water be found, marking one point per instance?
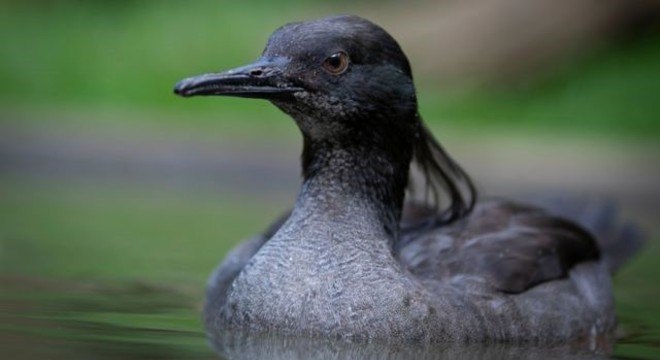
(59, 319)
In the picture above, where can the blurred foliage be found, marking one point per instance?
(132, 53)
(614, 91)
(128, 54)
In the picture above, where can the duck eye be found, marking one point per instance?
(336, 63)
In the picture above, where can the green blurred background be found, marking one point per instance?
(118, 198)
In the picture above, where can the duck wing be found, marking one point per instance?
(509, 246)
(619, 239)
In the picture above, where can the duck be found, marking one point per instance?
(366, 254)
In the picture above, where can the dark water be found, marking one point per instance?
(63, 320)
(55, 319)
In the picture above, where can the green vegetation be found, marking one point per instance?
(614, 92)
(98, 52)
(109, 57)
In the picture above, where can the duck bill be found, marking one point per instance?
(263, 79)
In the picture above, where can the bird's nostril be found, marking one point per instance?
(256, 72)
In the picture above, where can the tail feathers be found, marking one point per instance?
(618, 241)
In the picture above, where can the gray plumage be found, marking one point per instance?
(351, 261)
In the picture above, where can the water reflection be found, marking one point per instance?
(63, 319)
(57, 319)
(238, 345)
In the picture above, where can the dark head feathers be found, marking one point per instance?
(348, 85)
(366, 42)
(445, 186)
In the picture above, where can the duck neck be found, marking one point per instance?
(356, 185)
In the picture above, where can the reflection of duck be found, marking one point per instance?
(238, 345)
(352, 261)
